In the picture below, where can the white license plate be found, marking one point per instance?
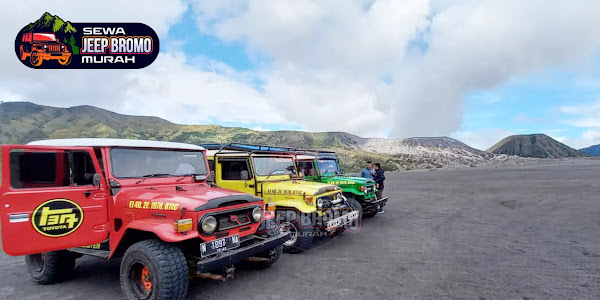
(337, 222)
(219, 245)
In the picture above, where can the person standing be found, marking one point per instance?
(367, 172)
(379, 179)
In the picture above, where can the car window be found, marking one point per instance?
(329, 166)
(307, 167)
(235, 169)
(50, 169)
(136, 163)
(274, 166)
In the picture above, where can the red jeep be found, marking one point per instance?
(43, 46)
(146, 202)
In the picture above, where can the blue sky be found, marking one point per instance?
(529, 105)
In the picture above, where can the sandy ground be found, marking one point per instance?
(512, 232)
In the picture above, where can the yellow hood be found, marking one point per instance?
(297, 187)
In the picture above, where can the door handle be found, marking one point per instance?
(251, 185)
(87, 194)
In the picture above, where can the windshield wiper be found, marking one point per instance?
(187, 175)
(152, 175)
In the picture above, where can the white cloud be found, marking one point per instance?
(588, 138)
(471, 45)
(482, 139)
(583, 115)
(172, 89)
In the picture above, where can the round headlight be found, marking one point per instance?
(209, 224)
(257, 214)
(45, 46)
(319, 203)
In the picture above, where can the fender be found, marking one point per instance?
(163, 229)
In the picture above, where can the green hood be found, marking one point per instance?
(347, 180)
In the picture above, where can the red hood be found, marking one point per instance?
(191, 196)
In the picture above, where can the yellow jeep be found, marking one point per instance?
(305, 209)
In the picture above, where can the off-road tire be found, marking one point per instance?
(356, 205)
(166, 266)
(66, 62)
(304, 237)
(50, 267)
(33, 62)
(271, 230)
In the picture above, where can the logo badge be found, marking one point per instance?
(57, 217)
(53, 43)
(234, 218)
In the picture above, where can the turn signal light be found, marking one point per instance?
(183, 225)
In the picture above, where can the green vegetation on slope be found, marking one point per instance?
(23, 122)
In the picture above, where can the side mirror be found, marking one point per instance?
(96, 180)
(211, 177)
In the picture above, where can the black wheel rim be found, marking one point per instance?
(35, 58)
(139, 277)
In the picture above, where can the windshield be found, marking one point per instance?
(328, 166)
(135, 163)
(44, 37)
(274, 166)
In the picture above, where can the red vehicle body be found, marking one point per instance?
(59, 195)
(43, 46)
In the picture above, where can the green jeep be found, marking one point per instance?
(323, 166)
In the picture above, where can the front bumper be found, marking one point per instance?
(341, 221)
(237, 255)
(55, 55)
(377, 204)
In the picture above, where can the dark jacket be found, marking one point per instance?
(379, 177)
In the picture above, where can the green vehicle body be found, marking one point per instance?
(323, 166)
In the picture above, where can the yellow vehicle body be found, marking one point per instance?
(278, 191)
(302, 208)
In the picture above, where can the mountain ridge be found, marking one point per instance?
(534, 145)
(25, 121)
(593, 150)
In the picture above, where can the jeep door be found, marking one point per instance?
(235, 174)
(51, 198)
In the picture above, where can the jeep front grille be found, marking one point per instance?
(369, 189)
(233, 219)
(54, 48)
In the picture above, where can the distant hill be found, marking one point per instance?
(23, 122)
(592, 150)
(534, 145)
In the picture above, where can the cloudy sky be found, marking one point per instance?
(476, 70)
